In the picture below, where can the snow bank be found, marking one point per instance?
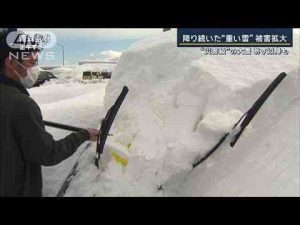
(73, 73)
(179, 104)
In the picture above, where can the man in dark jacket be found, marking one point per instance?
(25, 145)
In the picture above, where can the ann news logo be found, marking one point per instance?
(31, 40)
(28, 41)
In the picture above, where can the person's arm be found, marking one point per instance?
(37, 145)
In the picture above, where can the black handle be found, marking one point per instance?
(62, 126)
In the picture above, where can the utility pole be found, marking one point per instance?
(63, 50)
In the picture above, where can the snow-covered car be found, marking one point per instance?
(43, 77)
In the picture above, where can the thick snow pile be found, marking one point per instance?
(179, 105)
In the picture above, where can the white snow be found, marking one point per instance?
(180, 103)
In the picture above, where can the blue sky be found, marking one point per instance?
(86, 44)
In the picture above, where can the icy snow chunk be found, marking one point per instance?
(218, 122)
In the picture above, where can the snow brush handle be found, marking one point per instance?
(62, 126)
(65, 127)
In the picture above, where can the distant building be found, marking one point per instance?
(95, 62)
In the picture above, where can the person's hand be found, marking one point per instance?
(93, 134)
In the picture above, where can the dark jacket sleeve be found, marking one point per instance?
(37, 145)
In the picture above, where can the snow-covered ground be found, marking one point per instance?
(180, 102)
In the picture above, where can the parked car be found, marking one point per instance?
(88, 75)
(106, 75)
(43, 77)
(96, 75)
